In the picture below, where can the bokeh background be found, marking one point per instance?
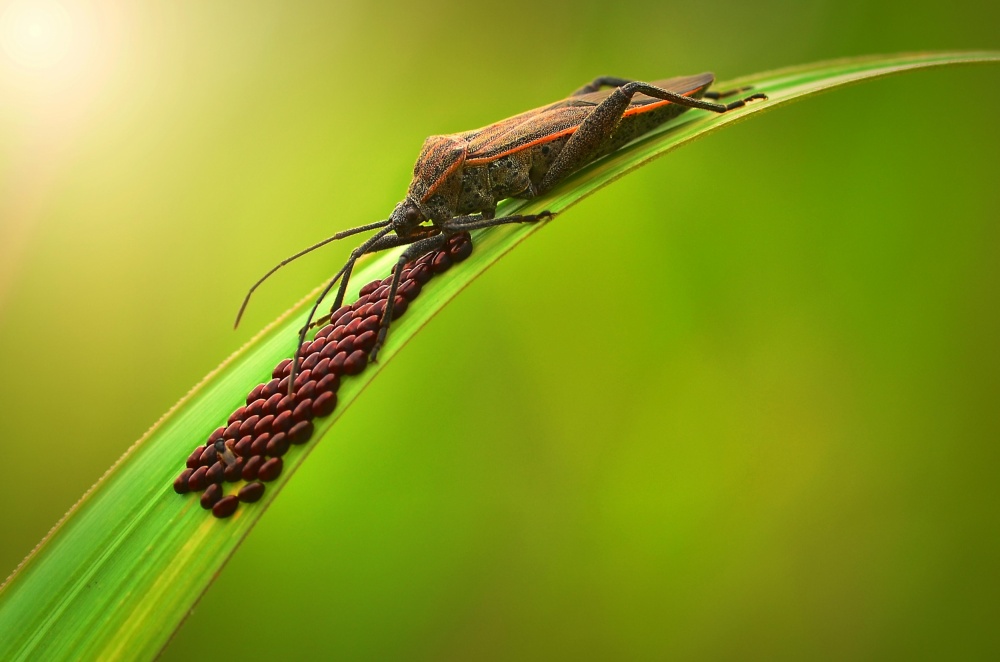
(768, 428)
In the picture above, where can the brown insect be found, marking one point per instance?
(459, 178)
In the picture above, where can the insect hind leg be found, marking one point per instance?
(593, 133)
(599, 82)
(716, 95)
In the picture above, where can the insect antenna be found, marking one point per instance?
(339, 235)
(360, 250)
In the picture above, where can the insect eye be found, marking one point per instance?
(412, 216)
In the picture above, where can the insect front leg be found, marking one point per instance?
(379, 242)
(601, 123)
(416, 249)
(382, 244)
(344, 275)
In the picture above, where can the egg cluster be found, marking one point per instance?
(248, 450)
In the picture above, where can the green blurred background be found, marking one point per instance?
(769, 429)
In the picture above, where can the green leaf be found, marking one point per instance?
(119, 573)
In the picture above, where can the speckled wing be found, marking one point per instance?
(562, 118)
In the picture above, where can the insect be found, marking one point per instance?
(459, 178)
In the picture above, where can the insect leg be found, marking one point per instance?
(382, 244)
(416, 249)
(712, 94)
(344, 274)
(599, 82)
(355, 254)
(601, 123)
(465, 223)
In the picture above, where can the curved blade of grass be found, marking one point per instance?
(116, 577)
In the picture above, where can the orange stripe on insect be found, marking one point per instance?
(539, 141)
(442, 178)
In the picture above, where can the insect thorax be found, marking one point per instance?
(437, 176)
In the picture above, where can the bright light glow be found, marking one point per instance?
(36, 34)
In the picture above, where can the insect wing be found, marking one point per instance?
(562, 118)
